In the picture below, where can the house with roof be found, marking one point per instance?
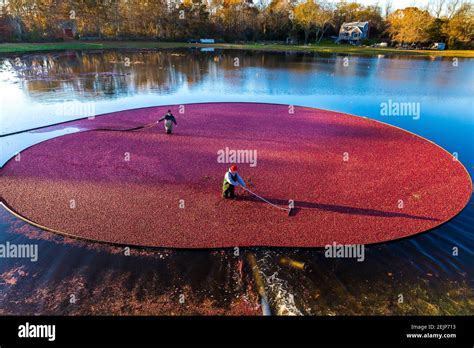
(68, 29)
(353, 32)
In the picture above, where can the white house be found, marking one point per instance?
(353, 32)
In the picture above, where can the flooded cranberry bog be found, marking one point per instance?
(346, 177)
(417, 259)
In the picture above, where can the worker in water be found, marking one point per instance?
(169, 120)
(231, 180)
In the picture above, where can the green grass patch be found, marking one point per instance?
(324, 47)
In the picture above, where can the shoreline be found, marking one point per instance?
(15, 48)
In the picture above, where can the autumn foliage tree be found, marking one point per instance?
(239, 20)
(311, 16)
(410, 25)
(459, 29)
(277, 19)
(450, 21)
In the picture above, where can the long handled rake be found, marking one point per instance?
(289, 209)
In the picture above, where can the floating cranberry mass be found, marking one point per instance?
(351, 180)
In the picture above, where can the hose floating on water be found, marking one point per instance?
(125, 130)
(96, 129)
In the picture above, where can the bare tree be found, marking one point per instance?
(452, 6)
(438, 6)
(388, 8)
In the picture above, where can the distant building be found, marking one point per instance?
(353, 32)
(68, 29)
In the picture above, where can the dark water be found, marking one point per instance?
(103, 280)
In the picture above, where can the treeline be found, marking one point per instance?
(307, 21)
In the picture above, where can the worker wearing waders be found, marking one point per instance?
(231, 180)
(169, 120)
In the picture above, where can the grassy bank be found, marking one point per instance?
(323, 48)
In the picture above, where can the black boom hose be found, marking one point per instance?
(125, 130)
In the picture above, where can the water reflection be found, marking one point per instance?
(104, 280)
(119, 73)
(33, 87)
